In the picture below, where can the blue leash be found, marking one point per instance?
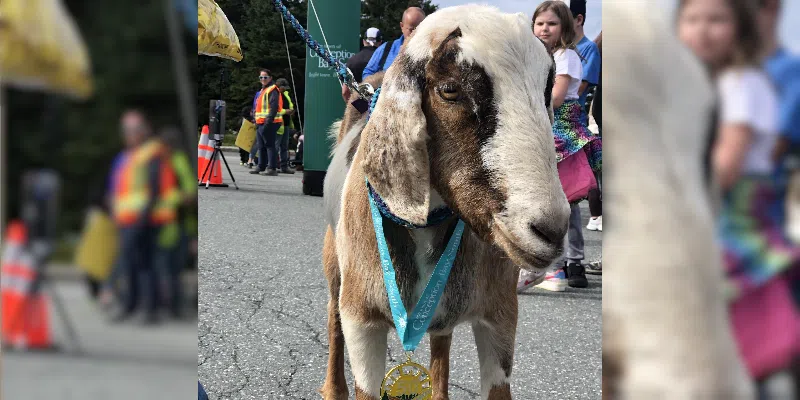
(373, 102)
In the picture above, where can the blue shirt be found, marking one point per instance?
(590, 59)
(784, 70)
(116, 168)
(373, 67)
(255, 99)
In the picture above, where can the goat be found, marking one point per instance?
(463, 120)
(666, 332)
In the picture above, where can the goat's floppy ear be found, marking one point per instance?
(395, 148)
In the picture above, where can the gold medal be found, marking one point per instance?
(407, 381)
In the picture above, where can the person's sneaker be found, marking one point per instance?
(241, 162)
(576, 275)
(287, 171)
(554, 281)
(595, 224)
(250, 165)
(271, 172)
(595, 267)
(254, 172)
(528, 279)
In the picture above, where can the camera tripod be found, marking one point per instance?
(216, 124)
(209, 171)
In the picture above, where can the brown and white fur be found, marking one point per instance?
(666, 333)
(464, 120)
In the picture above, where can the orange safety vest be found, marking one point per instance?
(262, 106)
(132, 193)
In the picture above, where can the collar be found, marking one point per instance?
(435, 217)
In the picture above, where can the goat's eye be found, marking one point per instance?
(450, 92)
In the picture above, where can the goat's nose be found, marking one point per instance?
(549, 231)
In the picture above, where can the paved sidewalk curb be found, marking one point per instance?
(234, 149)
(64, 272)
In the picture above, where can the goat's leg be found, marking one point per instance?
(335, 387)
(494, 337)
(366, 347)
(440, 365)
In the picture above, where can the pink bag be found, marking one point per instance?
(765, 325)
(576, 176)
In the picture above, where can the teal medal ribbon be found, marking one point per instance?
(412, 328)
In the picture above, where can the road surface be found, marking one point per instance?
(121, 362)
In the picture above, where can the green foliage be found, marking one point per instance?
(131, 66)
(260, 33)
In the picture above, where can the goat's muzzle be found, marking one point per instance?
(549, 240)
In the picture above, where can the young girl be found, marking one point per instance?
(723, 34)
(553, 24)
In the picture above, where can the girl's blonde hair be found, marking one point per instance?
(747, 48)
(560, 9)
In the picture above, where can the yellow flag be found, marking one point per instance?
(41, 49)
(246, 136)
(98, 247)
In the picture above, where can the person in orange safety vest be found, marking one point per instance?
(144, 198)
(268, 112)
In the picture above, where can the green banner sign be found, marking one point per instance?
(340, 21)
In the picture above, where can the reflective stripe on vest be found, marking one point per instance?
(133, 192)
(262, 106)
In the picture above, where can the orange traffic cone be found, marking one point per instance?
(37, 326)
(203, 152)
(25, 315)
(214, 174)
(12, 296)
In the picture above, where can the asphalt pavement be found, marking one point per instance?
(124, 361)
(263, 296)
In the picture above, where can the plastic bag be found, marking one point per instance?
(41, 48)
(215, 35)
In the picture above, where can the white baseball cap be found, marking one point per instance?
(372, 35)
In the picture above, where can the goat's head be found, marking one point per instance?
(464, 118)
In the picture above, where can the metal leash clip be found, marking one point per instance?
(366, 91)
